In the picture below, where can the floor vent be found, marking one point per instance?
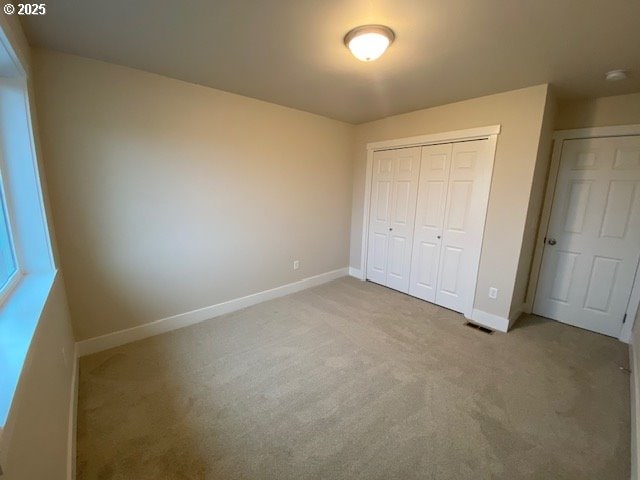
(478, 327)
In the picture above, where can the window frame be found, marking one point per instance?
(12, 282)
(24, 296)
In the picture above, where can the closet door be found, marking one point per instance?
(430, 211)
(392, 216)
(380, 216)
(465, 210)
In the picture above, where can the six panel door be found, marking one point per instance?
(468, 193)
(593, 241)
(430, 212)
(380, 216)
(392, 216)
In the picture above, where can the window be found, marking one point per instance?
(8, 263)
(27, 268)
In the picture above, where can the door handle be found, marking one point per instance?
(551, 241)
(438, 237)
(390, 229)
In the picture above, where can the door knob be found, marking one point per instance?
(390, 229)
(438, 237)
(551, 241)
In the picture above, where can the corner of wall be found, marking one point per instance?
(526, 275)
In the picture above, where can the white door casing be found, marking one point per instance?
(393, 204)
(593, 239)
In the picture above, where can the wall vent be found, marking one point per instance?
(486, 330)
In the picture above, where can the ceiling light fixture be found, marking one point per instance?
(615, 75)
(369, 42)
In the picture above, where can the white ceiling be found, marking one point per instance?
(290, 52)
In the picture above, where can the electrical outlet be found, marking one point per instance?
(296, 264)
(493, 292)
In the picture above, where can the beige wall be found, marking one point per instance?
(35, 443)
(35, 440)
(520, 113)
(170, 197)
(599, 112)
(520, 301)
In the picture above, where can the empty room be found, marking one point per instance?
(304, 239)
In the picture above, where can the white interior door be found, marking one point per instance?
(463, 227)
(392, 216)
(430, 212)
(593, 241)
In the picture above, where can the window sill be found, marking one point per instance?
(19, 316)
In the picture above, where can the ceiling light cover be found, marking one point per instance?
(369, 42)
(615, 75)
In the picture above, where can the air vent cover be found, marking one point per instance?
(486, 330)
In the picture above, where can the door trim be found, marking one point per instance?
(559, 136)
(489, 133)
(595, 132)
(433, 138)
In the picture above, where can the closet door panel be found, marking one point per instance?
(451, 260)
(405, 191)
(392, 216)
(432, 194)
(469, 183)
(379, 253)
(380, 216)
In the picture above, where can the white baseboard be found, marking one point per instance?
(489, 320)
(121, 337)
(356, 272)
(634, 364)
(73, 416)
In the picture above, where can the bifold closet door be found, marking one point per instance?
(454, 189)
(465, 212)
(392, 216)
(430, 211)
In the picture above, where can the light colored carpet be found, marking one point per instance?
(351, 380)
